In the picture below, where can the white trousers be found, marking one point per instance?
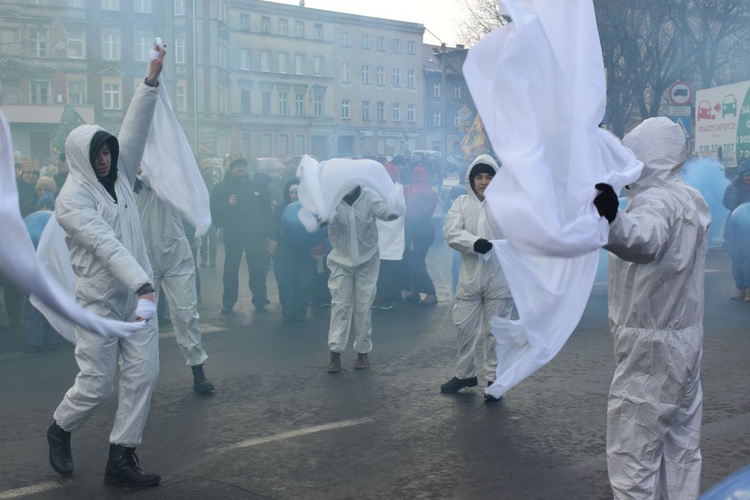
(97, 359)
(352, 293)
(654, 414)
(182, 298)
(472, 320)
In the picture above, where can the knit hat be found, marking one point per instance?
(236, 159)
(480, 168)
(47, 183)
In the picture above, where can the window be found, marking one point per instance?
(299, 104)
(318, 105)
(283, 144)
(179, 7)
(299, 144)
(77, 91)
(345, 109)
(142, 46)
(410, 113)
(396, 77)
(366, 42)
(245, 59)
(345, 77)
(299, 64)
(76, 4)
(283, 62)
(180, 99)
(436, 89)
(380, 110)
(318, 66)
(456, 121)
(396, 112)
(283, 27)
(142, 6)
(299, 29)
(344, 39)
(381, 43)
(411, 79)
(437, 119)
(111, 46)
(111, 94)
(366, 110)
(265, 24)
(265, 61)
(366, 74)
(39, 92)
(38, 42)
(396, 46)
(76, 45)
(265, 97)
(411, 47)
(265, 144)
(318, 31)
(381, 76)
(111, 5)
(245, 22)
(457, 92)
(283, 103)
(179, 51)
(244, 101)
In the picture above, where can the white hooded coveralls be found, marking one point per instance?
(656, 298)
(482, 291)
(110, 263)
(354, 263)
(174, 268)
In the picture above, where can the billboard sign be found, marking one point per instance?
(722, 122)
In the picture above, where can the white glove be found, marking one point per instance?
(146, 309)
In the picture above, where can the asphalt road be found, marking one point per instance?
(279, 426)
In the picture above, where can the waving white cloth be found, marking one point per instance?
(171, 166)
(19, 263)
(324, 184)
(538, 83)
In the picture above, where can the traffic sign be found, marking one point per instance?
(680, 93)
(679, 111)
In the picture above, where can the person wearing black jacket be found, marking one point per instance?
(243, 208)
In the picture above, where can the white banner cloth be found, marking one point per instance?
(19, 263)
(538, 83)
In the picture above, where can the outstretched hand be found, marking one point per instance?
(156, 65)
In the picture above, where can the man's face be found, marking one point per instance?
(481, 181)
(293, 195)
(30, 177)
(103, 161)
(239, 170)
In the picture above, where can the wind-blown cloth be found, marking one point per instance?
(324, 184)
(19, 262)
(538, 83)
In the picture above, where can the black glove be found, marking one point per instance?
(482, 246)
(606, 201)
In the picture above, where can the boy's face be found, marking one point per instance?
(481, 181)
(103, 161)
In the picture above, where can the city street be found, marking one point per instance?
(278, 426)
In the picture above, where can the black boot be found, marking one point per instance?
(60, 457)
(201, 384)
(123, 468)
(455, 384)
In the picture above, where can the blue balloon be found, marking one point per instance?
(35, 224)
(733, 487)
(737, 232)
(294, 232)
(707, 176)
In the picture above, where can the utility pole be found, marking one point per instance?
(444, 113)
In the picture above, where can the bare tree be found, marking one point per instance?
(481, 17)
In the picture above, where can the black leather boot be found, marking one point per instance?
(60, 457)
(123, 468)
(201, 384)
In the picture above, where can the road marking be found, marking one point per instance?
(291, 434)
(204, 330)
(31, 490)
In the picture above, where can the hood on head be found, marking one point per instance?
(480, 162)
(743, 169)
(660, 144)
(78, 151)
(420, 177)
(394, 172)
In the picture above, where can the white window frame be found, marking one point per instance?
(366, 42)
(39, 91)
(437, 119)
(76, 90)
(265, 61)
(436, 89)
(318, 31)
(283, 103)
(381, 43)
(366, 111)
(111, 5)
(345, 73)
(345, 39)
(265, 24)
(180, 52)
(76, 44)
(180, 99)
(283, 27)
(112, 95)
(411, 113)
(457, 91)
(299, 64)
(380, 111)
(411, 79)
(283, 62)
(397, 78)
(396, 112)
(381, 76)
(179, 7)
(245, 59)
(345, 105)
(365, 74)
(38, 42)
(245, 21)
(396, 45)
(143, 45)
(411, 47)
(299, 29)
(142, 6)
(318, 105)
(299, 104)
(111, 42)
(318, 66)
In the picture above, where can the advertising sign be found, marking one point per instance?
(722, 122)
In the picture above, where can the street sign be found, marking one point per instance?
(464, 113)
(680, 93)
(679, 111)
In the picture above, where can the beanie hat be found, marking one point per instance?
(47, 183)
(480, 168)
(236, 159)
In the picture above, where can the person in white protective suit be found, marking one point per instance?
(482, 291)
(354, 262)
(657, 260)
(174, 270)
(97, 209)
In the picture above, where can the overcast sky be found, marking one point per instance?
(436, 15)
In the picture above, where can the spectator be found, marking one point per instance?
(737, 193)
(421, 201)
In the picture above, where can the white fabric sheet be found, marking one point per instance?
(538, 84)
(19, 263)
(324, 184)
